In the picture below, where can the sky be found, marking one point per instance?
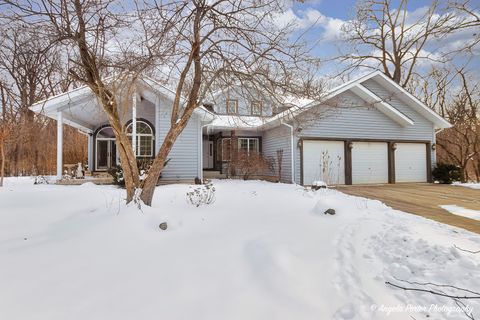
(321, 21)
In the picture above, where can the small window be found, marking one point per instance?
(256, 108)
(232, 107)
(248, 145)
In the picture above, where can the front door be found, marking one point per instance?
(207, 154)
(106, 154)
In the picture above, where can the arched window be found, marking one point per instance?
(106, 132)
(144, 138)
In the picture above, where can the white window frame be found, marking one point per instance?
(248, 144)
(256, 104)
(228, 106)
(138, 135)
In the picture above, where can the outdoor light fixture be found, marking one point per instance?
(394, 146)
(350, 145)
(434, 146)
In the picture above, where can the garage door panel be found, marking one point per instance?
(411, 162)
(323, 161)
(369, 162)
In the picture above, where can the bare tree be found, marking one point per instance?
(6, 118)
(200, 46)
(88, 26)
(27, 67)
(470, 19)
(223, 43)
(460, 144)
(383, 34)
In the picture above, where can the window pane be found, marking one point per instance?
(106, 132)
(253, 145)
(231, 106)
(243, 144)
(144, 146)
(256, 108)
(142, 127)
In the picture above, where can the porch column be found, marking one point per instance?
(90, 152)
(59, 144)
(134, 122)
(157, 125)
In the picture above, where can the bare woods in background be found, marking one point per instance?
(31, 71)
(50, 47)
(422, 54)
(196, 46)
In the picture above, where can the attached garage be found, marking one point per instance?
(323, 161)
(369, 162)
(411, 162)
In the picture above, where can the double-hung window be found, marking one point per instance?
(232, 106)
(248, 145)
(256, 108)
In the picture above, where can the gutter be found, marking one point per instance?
(291, 150)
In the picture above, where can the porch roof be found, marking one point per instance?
(80, 108)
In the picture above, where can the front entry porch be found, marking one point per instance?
(221, 146)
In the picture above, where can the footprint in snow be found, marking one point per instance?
(345, 312)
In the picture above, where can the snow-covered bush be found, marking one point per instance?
(117, 175)
(204, 194)
(319, 185)
(143, 167)
(41, 180)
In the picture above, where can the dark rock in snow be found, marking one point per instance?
(330, 211)
(198, 180)
(163, 226)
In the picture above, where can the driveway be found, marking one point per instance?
(424, 199)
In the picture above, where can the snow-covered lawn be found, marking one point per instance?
(261, 251)
(461, 211)
(470, 185)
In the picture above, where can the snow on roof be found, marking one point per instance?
(233, 121)
(296, 101)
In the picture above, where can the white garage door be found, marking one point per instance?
(411, 162)
(369, 162)
(323, 161)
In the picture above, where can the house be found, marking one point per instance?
(369, 130)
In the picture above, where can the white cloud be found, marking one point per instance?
(312, 19)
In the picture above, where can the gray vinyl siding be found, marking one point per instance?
(145, 110)
(279, 138)
(186, 152)
(352, 118)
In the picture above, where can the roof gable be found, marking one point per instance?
(356, 86)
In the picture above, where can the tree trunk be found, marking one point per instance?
(2, 156)
(158, 164)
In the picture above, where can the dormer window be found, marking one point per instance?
(256, 108)
(232, 106)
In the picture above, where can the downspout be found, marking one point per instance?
(291, 150)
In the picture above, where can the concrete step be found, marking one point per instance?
(76, 182)
(211, 174)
